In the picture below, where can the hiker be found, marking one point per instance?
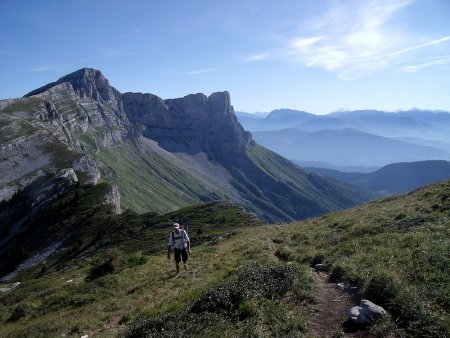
(179, 240)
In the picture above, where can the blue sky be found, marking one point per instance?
(318, 56)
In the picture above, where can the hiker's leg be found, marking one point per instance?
(177, 256)
(184, 256)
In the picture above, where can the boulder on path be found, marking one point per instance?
(366, 312)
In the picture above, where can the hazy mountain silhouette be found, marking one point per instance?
(344, 147)
(394, 178)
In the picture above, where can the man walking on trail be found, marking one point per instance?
(179, 240)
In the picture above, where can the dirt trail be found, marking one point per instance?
(333, 305)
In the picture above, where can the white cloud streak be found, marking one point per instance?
(355, 39)
(426, 63)
(257, 57)
(40, 69)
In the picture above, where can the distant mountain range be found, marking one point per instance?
(276, 119)
(361, 138)
(344, 147)
(393, 178)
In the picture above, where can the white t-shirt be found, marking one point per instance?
(178, 240)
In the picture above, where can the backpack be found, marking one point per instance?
(184, 233)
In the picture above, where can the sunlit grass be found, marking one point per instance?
(396, 251)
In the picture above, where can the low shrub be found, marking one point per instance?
(285, 253)
(112, 264)
(250, 298)
(271, 282)
(21, 311)
(136, 260)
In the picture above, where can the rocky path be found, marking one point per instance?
(333, 305)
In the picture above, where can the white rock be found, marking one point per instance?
(366, 312)
(340, 286)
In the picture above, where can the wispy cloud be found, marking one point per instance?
(426, 63)
(257, 57)
(358, 38)
(40, 69)
(200, 71)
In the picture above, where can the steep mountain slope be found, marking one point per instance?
(394, 178)
(161, 154)
(344, 147)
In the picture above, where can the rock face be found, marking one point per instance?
(85, 165)
(87, 83)
(190, 124)
(366, 313)
(112, 198)
(84, 101)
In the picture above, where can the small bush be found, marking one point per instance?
(381, 289)
(98, 271)
(271, 282)
(112, 264)
(246, 310)
(21, 311)
(136, 260)
(285, 253)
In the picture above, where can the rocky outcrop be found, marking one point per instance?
(87, 83)
(87, 169)
(83, 102)
(64, 180)
(112, 198)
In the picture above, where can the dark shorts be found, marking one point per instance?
(181, 254)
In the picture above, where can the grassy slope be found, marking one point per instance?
(147, 182)
(279, 190)
(396, 250)
(273, 187)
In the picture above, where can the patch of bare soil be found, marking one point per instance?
(333, 305)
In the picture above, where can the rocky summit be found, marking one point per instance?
(159, 154)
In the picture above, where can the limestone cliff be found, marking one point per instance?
(191, 124)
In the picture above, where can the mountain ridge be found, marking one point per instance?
(147, 147)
